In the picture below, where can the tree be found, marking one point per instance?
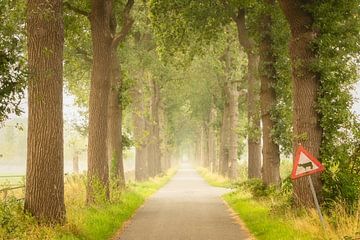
(115, 147)
(275, 95)
(141, 166)
(104, 79)
(98, 169)
(307, 129)
(254, 143)
(44, 196)
(12, 70)
(271, 151)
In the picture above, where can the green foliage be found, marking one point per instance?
(337, 47)
(14, 222)
(12, 62)
(281, 113)
(185, 25)
(256, 187)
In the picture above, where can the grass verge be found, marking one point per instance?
(258, 215)
(83, 222)
(214, 179)
(263, 224)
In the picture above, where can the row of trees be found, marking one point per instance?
(86, 36)
(319, 40)
(200, 75)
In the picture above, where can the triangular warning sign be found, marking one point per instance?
(305, 164)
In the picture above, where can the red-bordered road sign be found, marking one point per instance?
(305, 164)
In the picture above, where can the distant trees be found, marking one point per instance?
(44, 196)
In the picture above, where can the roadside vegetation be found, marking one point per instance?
(218, 83)
(98, 221)
(269, 213)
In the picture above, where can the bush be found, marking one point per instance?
(13, 221)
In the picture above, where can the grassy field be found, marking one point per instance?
(83, 222)
(11, 180)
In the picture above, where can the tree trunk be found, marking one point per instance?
(254, 142)
(115, 148)
(233, 135)
(198, 150)
(156, 127)
(204, 145)
(212, 140)
(44, 192)
(307, 129)
(76, 162)
(224, 141)
(98, 168)
(150, 148)
(115, 123)
(271, 152)
(141, 168)
(165, 149)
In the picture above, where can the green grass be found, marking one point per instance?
(261, 222)
(214, 179)
(83, 222)
(102, 222)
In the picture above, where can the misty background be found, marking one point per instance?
(13, 137)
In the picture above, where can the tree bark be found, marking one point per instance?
(155, 105)
(98, 169)
(212, 140)
(307, 129)
(44, 192)
(233, 135)
(271, 151)
(224, 141)
(165, 149)
(115, 148)
(115, 123)
(141, 168)
(149, 142)
(254, 143)
(204, 145)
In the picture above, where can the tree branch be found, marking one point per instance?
(126, 26)
(246, 42)
(76, 9)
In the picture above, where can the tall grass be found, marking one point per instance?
(100, 221)
(269, 215)
(214, 179)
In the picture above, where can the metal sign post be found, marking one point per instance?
(316, 202)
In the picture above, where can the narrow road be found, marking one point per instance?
(187, 208)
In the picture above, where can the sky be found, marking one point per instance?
(356, 94)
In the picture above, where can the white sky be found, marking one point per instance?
(357, 97)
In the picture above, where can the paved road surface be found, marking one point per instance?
(187, 208)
